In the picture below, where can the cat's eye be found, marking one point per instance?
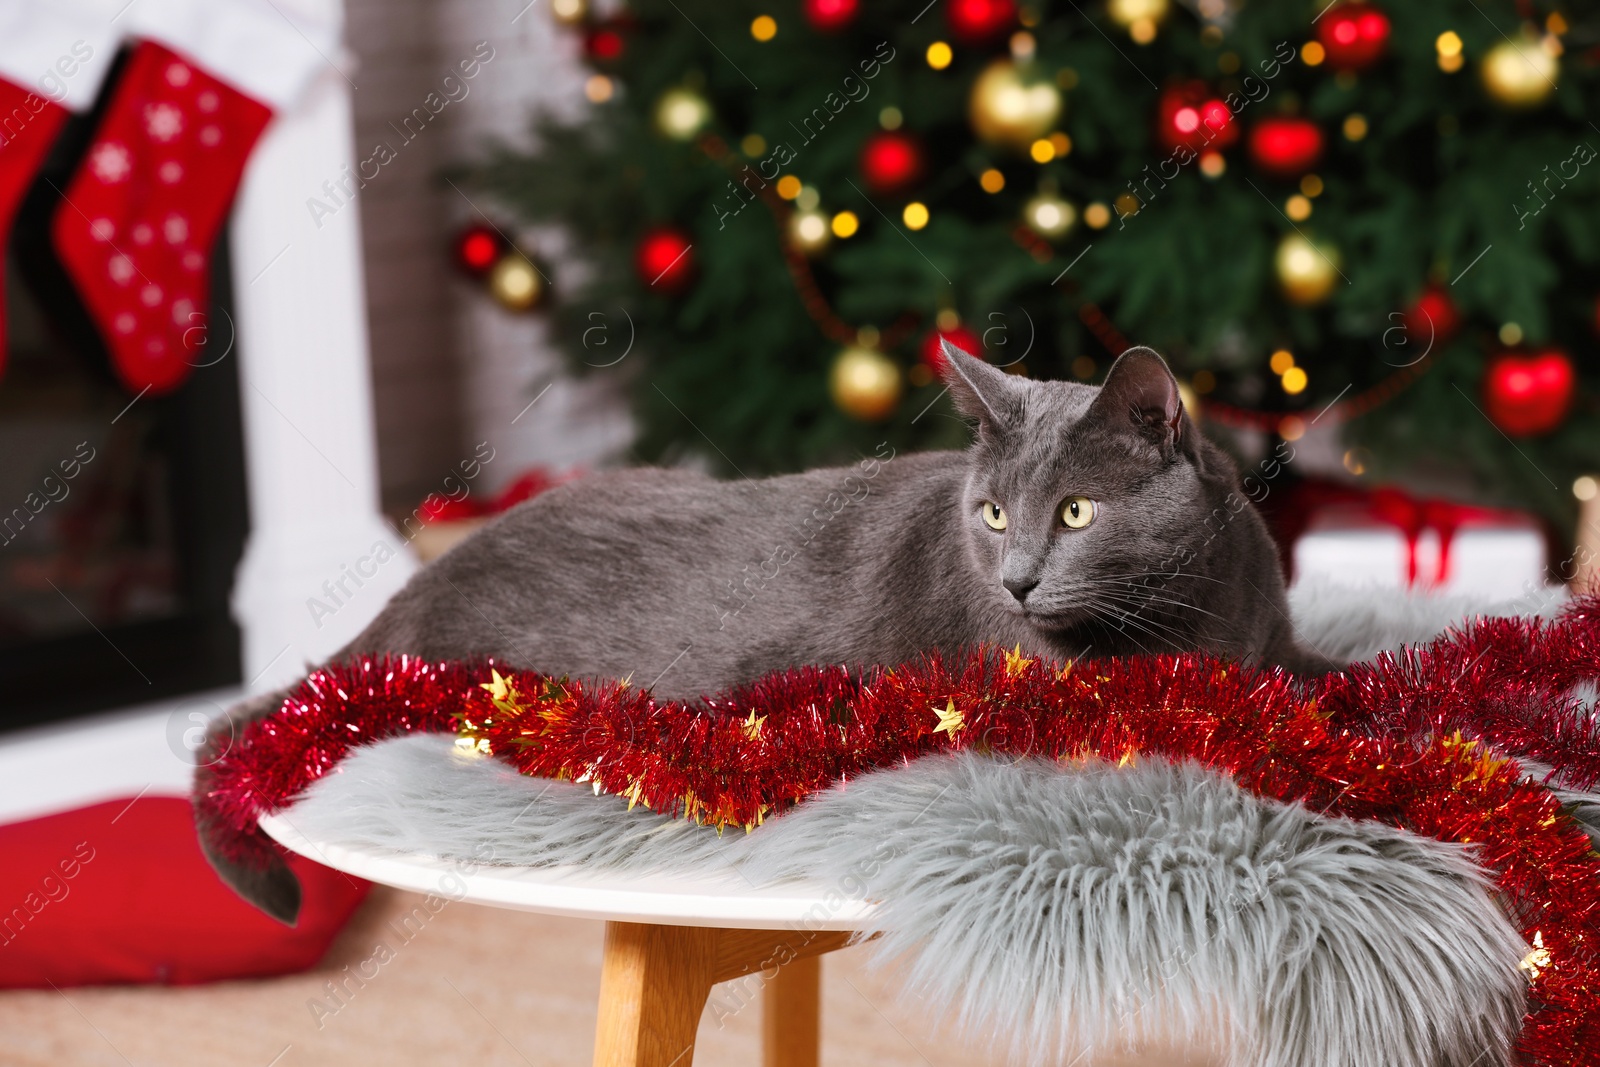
(1077, 512)
(994, 516)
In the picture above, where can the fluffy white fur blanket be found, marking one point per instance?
(1064, 910)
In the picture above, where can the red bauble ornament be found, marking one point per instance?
(604, 43)
(1354, 35)
(932, 350)
(891, 161)
(1528, 395)
(830, 16)
(1187, 116)
(1432, 319)
(976, 21)
(1285, 146)
(477, 248)
(664, 260)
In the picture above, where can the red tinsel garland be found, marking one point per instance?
(1506, 681)
(1410, 740)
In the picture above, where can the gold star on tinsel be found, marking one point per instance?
(752, 726)
(1537, 960)
(498, 688)
(951, 721)
(1016, 662)
(1483, 768)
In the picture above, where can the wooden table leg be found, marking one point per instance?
(653, 987)
(791, 1015)
(655, 980)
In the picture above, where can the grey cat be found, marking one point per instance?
(1083, 521)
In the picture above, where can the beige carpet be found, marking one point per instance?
(475, 986)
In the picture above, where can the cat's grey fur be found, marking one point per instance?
(689, 586)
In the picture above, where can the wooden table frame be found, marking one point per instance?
(661, 956)
(655, 981)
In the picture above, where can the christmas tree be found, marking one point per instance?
(1377, 215)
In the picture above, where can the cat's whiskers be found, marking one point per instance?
(1125, 607)
(1121, 618)
(1166, 576)
(1150, 595)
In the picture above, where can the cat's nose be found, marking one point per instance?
(1019, 587)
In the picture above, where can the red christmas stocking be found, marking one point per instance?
(28, 129)
(136, 225)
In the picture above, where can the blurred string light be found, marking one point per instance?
(915, 215)
(939, 55)
(764, 27)
(1049, 215)
(1448, 45)
(569, 12)
(681, 113)
(845, 224)
(1292, 377)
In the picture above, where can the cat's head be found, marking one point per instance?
(1077, 492)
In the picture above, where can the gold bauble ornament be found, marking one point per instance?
(1521, 72)
(569, 12)
(1307, 270)
(514, 282)
(1139, 17)
(1050, 216)
(809, 231)
(1013, 105)
(865, 384)
(681, 113)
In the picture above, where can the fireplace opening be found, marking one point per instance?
(122, 518)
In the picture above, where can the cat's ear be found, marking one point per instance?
(979, 391)
(1141, 395)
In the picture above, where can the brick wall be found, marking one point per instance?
(451, 368)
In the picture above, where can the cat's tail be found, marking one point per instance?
(250, 863)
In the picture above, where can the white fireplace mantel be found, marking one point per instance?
(310, 579)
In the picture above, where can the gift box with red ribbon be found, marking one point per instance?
(1390, 538)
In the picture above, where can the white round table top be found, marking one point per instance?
(721, 900)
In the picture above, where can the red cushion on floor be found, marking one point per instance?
(119, 892)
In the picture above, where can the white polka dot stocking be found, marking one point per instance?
(137, 222)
